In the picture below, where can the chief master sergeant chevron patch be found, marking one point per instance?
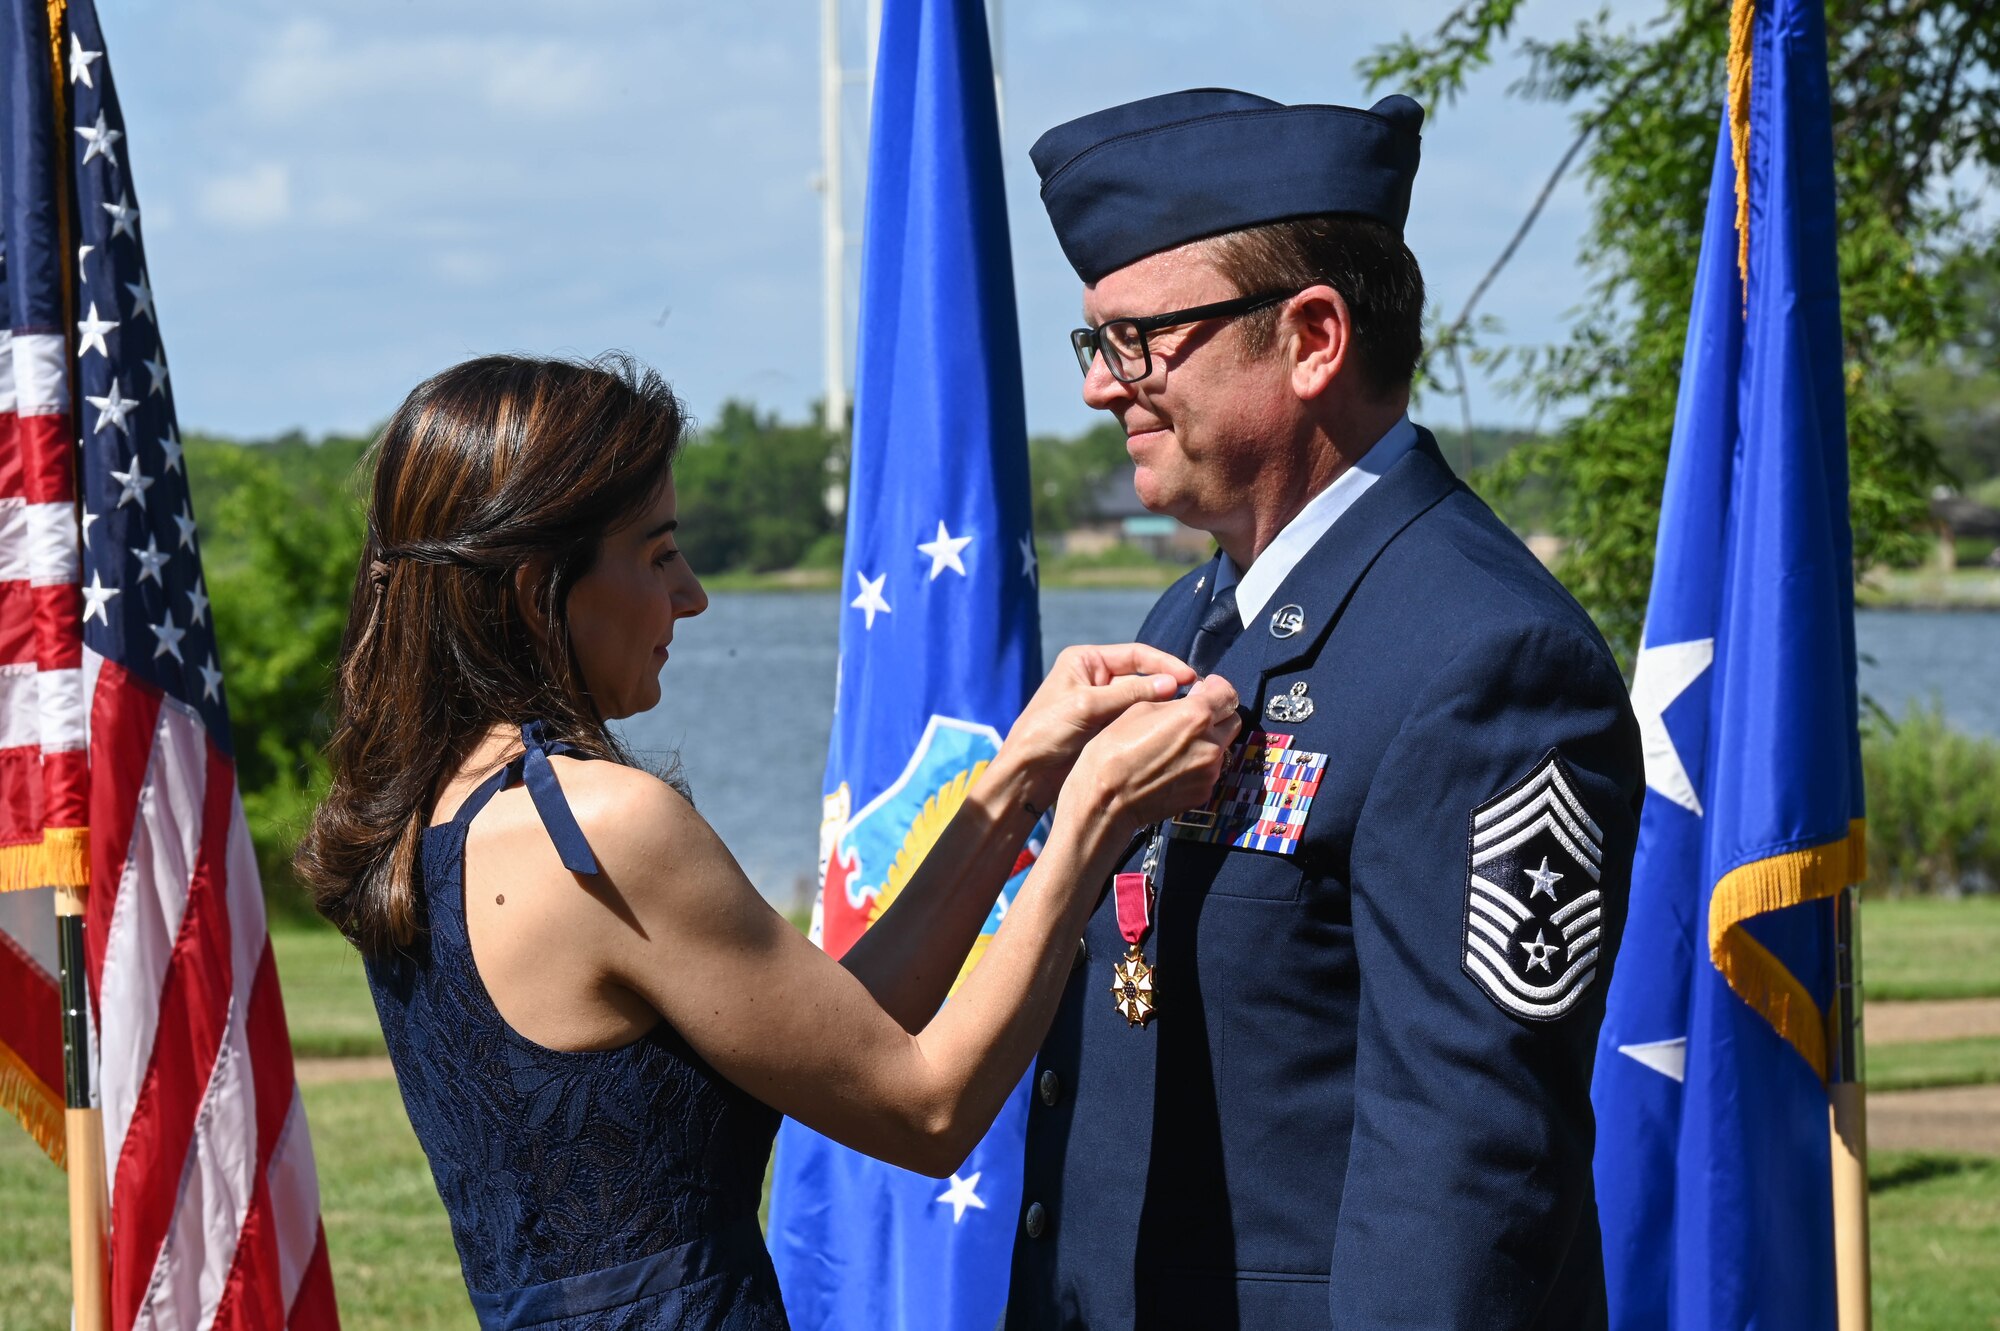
(1532, 903)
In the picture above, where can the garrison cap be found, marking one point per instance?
(1152, 174)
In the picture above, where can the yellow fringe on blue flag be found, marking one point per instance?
(1762, 886)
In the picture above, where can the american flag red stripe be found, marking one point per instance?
(214, 1194)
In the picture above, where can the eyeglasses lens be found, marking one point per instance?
(1124, 349)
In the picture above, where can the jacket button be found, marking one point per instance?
(1082, 954)
(1037, 1220)
(1049, 1086)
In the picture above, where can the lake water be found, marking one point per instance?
(754, 677)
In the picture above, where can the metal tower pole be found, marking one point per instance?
(833, 220)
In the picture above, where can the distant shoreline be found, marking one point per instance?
(1050, 579)
(1971, 591)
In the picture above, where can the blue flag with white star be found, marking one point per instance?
(1714, 1176)
(940, 645)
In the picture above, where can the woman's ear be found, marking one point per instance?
(530, 576)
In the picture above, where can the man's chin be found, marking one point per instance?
(1156, 496)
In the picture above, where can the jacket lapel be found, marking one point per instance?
(1175, 616)
(1319, 586)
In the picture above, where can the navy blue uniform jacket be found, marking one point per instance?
(1348, 1112)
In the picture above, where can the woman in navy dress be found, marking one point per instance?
(594, 1018)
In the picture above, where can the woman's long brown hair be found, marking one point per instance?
(498, 464)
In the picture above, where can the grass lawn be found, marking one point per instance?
(1936, 1219)
(1907, 1067)
(1926, 947)
(326, 994)
(393, 1262)
(1934, 1225)
(1936, 1229)
(1913, 947)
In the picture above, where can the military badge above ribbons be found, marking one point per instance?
(1532, 904)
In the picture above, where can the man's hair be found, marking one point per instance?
(1366, 262)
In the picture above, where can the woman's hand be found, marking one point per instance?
(1085, 690)
(1159, 758)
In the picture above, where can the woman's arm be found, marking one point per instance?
(782, 1020)
(908, 959)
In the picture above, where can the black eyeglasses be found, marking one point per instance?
(1122, 342)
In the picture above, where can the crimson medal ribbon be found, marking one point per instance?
(1131, 977)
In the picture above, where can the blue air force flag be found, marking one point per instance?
(1713, 1168)
(940, 646)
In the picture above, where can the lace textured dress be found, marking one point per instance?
(588, 1191)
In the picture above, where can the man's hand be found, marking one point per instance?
(1088, 688)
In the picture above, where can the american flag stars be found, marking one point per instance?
(112, 409)
(91, 331)
(80, 62)
(100, 140)
(124, 214)
(144, 603)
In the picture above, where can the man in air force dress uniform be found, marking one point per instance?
(1325, 1055)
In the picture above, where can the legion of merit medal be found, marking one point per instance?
(1131, 977)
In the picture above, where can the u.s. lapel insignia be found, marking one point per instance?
(1533, 907)
(1289, 708)
(1287, 620)
(1201, 582)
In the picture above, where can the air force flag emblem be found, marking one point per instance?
(1532, 903)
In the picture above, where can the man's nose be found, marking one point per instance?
(1101, 388)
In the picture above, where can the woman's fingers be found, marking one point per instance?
(1107, 661)
(1217, 694)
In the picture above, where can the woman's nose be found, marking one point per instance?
(692, 599)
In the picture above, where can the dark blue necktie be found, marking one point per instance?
(1219, 627)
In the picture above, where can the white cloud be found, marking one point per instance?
(258, 196)
(310, 68)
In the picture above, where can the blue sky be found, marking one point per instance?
(342, 198)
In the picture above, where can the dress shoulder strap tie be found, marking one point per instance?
(540, 778)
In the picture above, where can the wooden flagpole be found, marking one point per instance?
(1848, 1113)
(83, 1125)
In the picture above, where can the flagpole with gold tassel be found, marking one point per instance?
(1847, 1103)
(69, 861)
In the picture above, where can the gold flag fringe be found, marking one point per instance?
(61, 860)
(1742, 17)
(1758, 977)
(26, 1097)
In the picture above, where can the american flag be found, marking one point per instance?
(214, 1217)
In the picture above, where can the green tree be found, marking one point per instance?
(1916, 90)
(281, 534)
(752, 490)
(1066, 473)
(1957, 398)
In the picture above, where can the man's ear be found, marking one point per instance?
(529, 576)
(1318, 328)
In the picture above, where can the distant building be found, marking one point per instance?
(1115, 517)
(1958, 518)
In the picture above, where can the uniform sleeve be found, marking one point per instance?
(1489, 873)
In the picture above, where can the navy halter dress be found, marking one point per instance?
(597, 1191)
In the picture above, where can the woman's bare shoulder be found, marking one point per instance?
(645, 834)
